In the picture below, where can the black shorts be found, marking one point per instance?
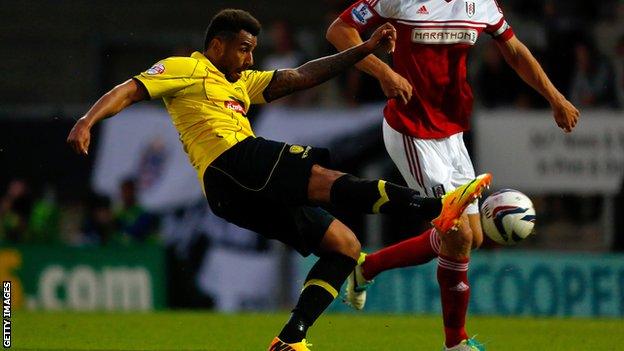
(262, 185)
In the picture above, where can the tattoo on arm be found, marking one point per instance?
(312, 73)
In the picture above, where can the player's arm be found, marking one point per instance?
(108, 105)
(315, 72)
(524, 63)
(344, 36)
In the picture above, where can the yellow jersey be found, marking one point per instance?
(207, 110)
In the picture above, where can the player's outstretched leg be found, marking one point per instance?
(414, 251)
(354, 194)
(338, 252)
(411, 252)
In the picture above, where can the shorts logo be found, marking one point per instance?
(361, 14)
(438, 190)
(470, 8)
(306, 152)
(296, 149)
(156, 69)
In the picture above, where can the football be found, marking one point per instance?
(507, 216)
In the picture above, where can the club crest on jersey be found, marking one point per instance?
(361, 14)
(235, 106)
(470, 8)
(158, 68)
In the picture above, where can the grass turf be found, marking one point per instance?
(212, 331)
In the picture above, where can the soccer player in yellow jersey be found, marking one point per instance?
(269, 187)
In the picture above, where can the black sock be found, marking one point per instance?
(320, 289)
(296, 328)
(378, 196)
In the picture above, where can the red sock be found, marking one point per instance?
(455, 293)
(411, 252)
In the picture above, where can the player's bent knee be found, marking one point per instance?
(339, 238)
(320, 182)
(350, 245)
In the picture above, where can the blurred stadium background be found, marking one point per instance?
(127, 228)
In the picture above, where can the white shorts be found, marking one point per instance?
(431, 166)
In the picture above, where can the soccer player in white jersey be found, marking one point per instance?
(428, 109)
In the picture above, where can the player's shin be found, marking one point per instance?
(452, 277)
(411, 252)
(378, 196)
(320, 288)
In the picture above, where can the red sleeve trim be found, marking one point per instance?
(507, 34)
(501, 31)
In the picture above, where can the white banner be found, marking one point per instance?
(142, 143)
(315, 126)
(527, 151)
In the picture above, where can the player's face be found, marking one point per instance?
(238, 55)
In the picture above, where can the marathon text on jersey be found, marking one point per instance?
(444, 36)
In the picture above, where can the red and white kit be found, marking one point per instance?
(424, 137)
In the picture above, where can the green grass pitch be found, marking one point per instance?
(334, 332)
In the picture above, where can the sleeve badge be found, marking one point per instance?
(158, 68)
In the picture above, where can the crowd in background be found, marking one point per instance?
(581, 47)
(28, 217)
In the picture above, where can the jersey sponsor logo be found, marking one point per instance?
(470, 8)
(361, 14)
(296, 149)
(422, 10)
(235, 106)
(444, 36)
(158, 68)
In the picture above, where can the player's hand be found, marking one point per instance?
(395, 86)
(565, 114)
(80, 137)
(383, 38)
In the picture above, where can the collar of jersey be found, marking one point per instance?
(203, 59)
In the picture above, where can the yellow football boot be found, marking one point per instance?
(455, 202)
(279, 345)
